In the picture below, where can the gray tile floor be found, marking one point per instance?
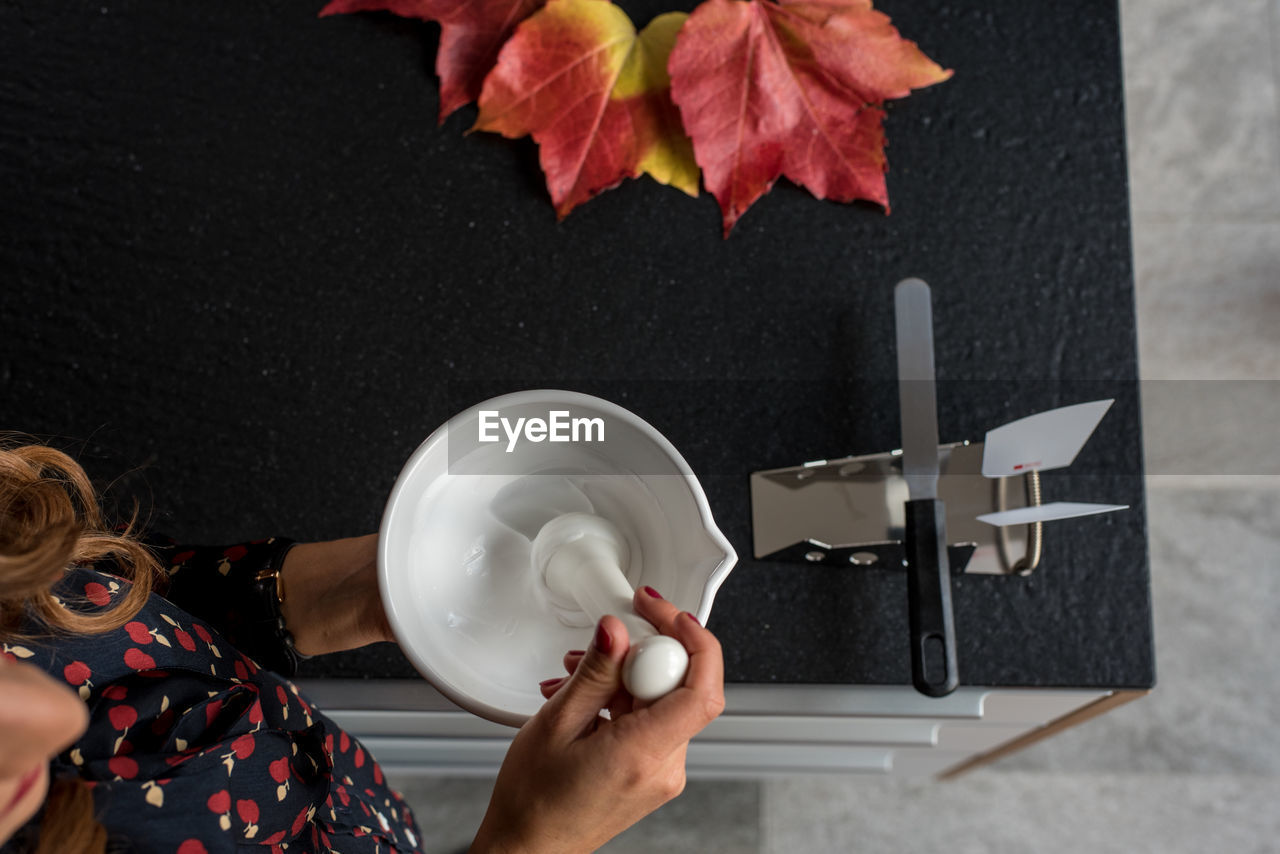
(1196, 766)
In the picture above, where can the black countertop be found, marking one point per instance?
(245, 274)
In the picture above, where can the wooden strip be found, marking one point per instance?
(1079, 716)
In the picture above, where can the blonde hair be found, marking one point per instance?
(51, 520)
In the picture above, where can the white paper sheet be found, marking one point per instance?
(1047, 513)
(1046, 440)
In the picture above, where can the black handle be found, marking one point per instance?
(933, 635)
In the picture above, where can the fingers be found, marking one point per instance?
(706, 666)
(650, 605)
(685, 711)
(571, 659)
(622, 703)
(575, 703)
(673, 719)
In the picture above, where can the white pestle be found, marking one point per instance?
(581, 558)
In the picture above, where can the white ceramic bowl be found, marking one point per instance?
(457, 580)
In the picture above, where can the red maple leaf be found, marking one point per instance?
(792, 88)
(471, 34)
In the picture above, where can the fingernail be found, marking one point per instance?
(691, 617)
(547, 683)
(654, 593)
(603, 643)
(576, 652)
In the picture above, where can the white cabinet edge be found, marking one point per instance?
(766, 731)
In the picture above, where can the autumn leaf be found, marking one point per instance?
(471, 34)
(595, 97)
(770, 89)
(765, 89)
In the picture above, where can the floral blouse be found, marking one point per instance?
(192, 747)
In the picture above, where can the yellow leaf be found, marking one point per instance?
(282, 791)
(666, 153)
(155, 796)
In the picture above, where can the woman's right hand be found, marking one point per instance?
(573, 779)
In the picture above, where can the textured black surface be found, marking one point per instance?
(245, 274)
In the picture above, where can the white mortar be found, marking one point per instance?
(457, 581)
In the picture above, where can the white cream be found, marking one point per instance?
(474, 577)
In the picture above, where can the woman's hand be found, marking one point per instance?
(573, 779)
(331, 600)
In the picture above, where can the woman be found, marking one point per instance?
(146, 692)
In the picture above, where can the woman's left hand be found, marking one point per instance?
(331, 600)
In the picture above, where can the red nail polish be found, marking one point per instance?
(603, 643)
(576, 652)
(547, 683)
(654, 593)
(691, 617)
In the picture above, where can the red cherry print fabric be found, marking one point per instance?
(192, 748)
